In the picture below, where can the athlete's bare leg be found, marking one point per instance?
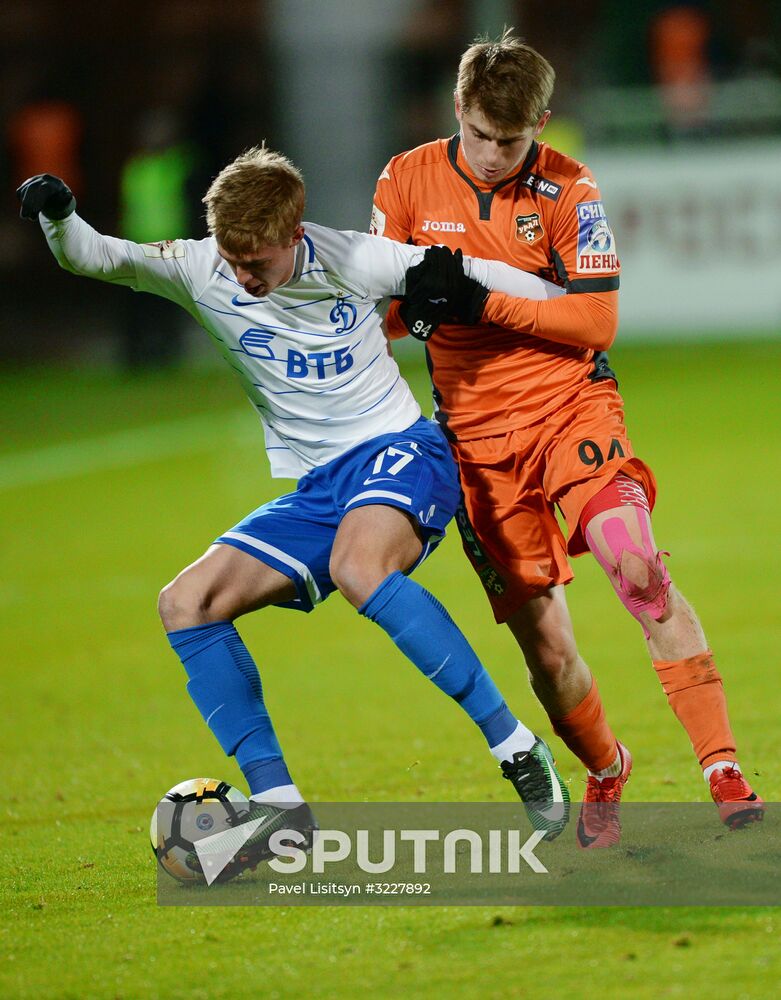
(563, 683)
(543, 629)
(622, 541)
(371, 543)
(630, 558)
(220, 586)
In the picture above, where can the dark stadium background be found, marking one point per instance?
(340, 86)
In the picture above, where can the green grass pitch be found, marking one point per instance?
(109, 485)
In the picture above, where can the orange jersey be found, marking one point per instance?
(527, 359)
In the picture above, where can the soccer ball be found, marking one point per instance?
(191, 810)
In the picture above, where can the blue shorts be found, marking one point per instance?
(412, 470)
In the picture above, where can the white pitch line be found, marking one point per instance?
(125, 448)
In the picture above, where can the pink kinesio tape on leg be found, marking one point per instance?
(637, 572)
(634, 565)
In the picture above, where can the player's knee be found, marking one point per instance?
(170, 607)
(354, 579)
(643, 583)
(357, 575)
(181, 605)
(552, 662)
(550, 658)
(547, 641)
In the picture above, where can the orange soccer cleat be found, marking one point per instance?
(599, 824)
(738, 804)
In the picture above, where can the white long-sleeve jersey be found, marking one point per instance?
(312, 355)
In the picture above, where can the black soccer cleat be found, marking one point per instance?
(297, 823)
(540, 787)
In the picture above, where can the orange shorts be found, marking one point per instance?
(513, 483)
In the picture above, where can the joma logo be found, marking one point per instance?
(442, 227)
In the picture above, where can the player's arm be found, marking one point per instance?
(583, 251)
(80, 249)
(445, 286)
(502, 279)
(375, 267)
(391, 268)
(586, 320)
(436, 282)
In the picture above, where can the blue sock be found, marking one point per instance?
(225, 686)
(424, 631)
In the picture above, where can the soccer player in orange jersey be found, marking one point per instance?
(529, 401)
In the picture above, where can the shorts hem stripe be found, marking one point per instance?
(287, 560)
(375, 494)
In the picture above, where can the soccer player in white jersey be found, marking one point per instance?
(294, 309)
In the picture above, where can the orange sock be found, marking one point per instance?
(586, 732)
(696, 695)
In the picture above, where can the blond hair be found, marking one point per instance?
(507, 80)
(256, 200)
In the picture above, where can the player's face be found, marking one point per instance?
(492, 153)
(267, 267)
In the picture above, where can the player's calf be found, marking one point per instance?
(423, 630)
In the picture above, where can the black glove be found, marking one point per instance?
(46, 194)
(431, 286)
(437, 290)
(469, 301)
